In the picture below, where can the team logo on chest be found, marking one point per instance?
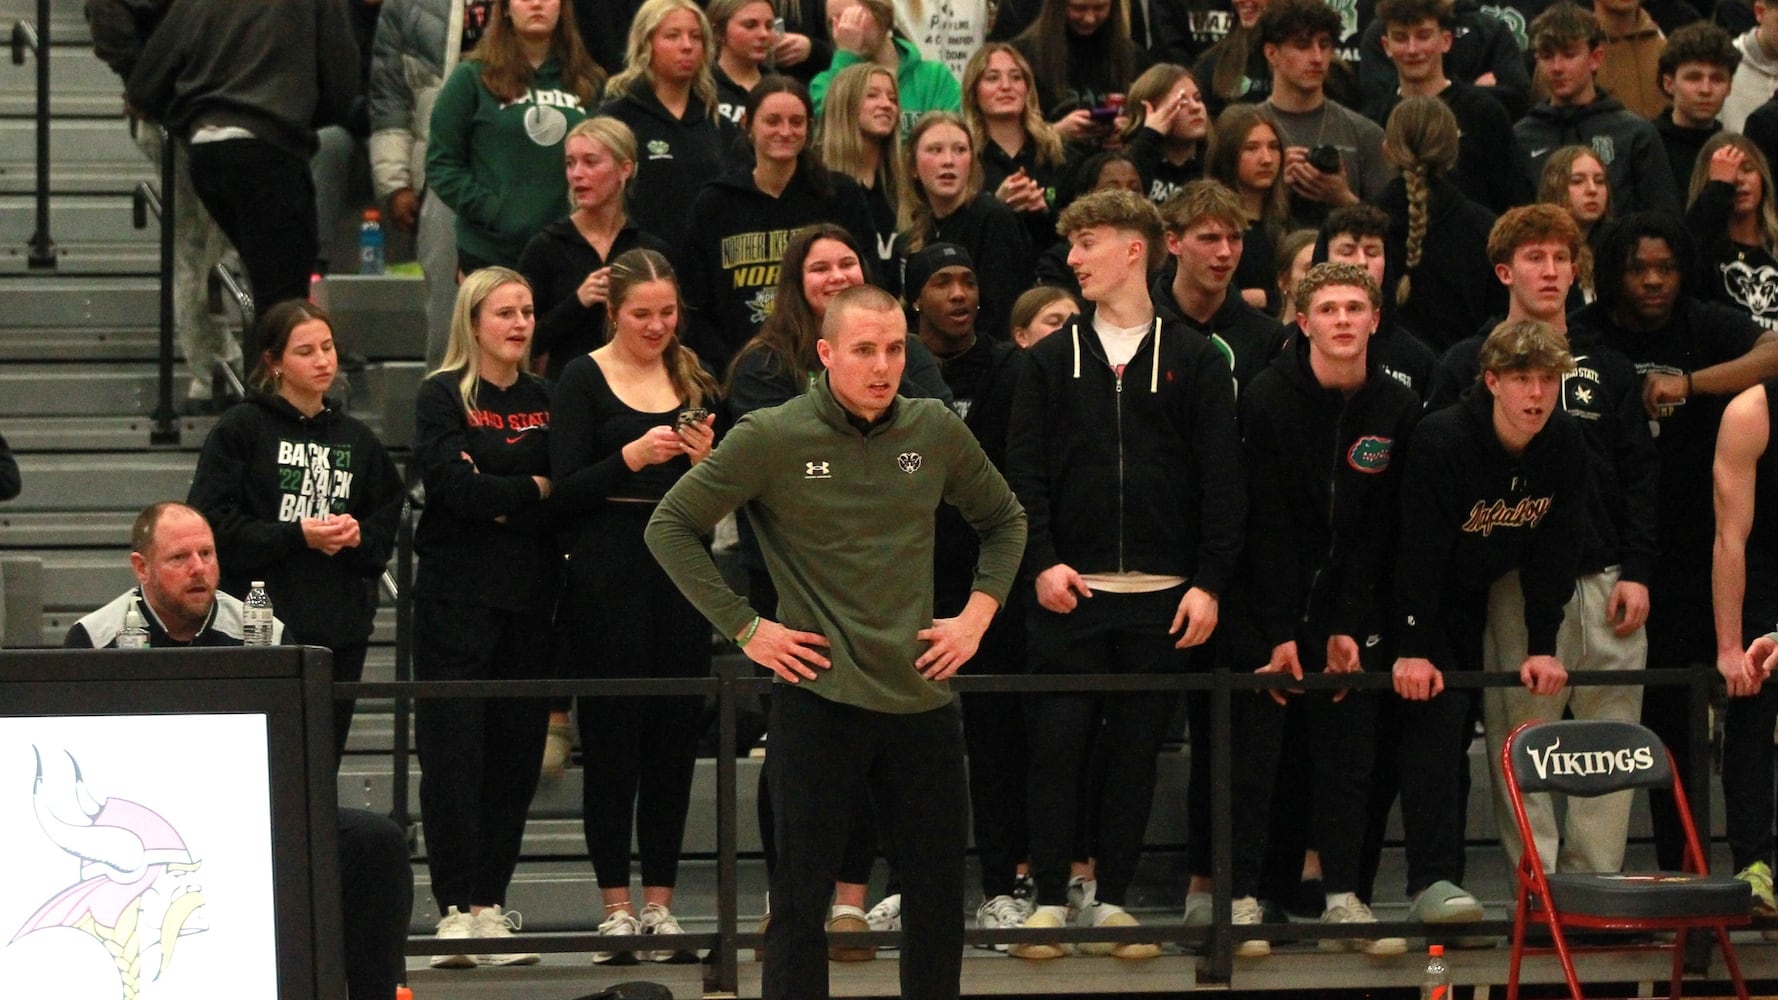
(908, 462)
(817, 470)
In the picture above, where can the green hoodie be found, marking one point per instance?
(845, 521)
(924, 86)
(499, 164)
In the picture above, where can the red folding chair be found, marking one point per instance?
(1595, 758)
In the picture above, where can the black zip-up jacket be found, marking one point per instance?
(486, 538)
(1138, 472)
(555, 262)
(1603, 394)
(674, 158)
(1323, 488)
(734, 243)
(264, 467)
(1471, 513)
(1247, 338)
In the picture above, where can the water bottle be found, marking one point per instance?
(1436, 983)
(134, 634)
(370, 243)
(256, 616)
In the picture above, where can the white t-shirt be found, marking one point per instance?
(1120, 342)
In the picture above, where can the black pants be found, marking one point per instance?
(1341, 737)
(1422, 752)
(1679, 637)
(1747, 769)
(479, 757)
(264, 200)
(348, 668)
(825, 756)
(622, 617)
(1108, 633)
(861, 841)
(377, 898)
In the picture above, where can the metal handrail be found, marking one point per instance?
(30, 37)
(732, 680)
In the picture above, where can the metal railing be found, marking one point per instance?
(1217, 942)
(34, 38)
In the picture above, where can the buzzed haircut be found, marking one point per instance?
(1360, 220)
(1284, 20)
(149, 521)
(1563, 25)
(1201, 200)
(867, 297)
(1519, 345)
(1124, 211)
(1333, 274)
(1540, 223)
(1699, 42)
(1410, 12)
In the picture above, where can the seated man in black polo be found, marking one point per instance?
(173, 554)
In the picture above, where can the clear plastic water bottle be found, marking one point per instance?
(1436, 983)
(256, 616)
(134, 634)
(370, 243)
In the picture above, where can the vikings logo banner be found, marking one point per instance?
(140, 856)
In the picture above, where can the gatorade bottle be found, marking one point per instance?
(370, 243)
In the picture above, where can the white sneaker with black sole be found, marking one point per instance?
(619, 924)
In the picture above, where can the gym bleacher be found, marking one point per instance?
(79, 385)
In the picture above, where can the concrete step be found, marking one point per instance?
(80, 484)
(18, 174)
(79, 84)
(80, 343)
(82, 390)
(77, 220)
(67, 19)
(40, 302)
(101, 434)
(93, 258)
(71, 140)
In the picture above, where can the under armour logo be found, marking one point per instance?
(908, 462)
(817, 470)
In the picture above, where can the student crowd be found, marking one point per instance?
(1307, 339)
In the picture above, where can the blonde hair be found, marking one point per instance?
(639, 53)
(616, 138)
(1768, 216)
(461, 351)
(642, 266)
(1042, 134)
(1420, 140)
(1553, 190)
(841, 144)
(916, 210)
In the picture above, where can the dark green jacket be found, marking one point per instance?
(844, 519)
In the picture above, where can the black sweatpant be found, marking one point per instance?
(1679, 637)
(621, 617)
(994, 732)
(1747, 770)
(376, 901)
(263, 199)
(1109, 633)
(348, 668)
(827, 755)
(479, 757)
(1341, 736)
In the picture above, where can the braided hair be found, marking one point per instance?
(1420, 141)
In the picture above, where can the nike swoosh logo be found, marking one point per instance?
(515, 440)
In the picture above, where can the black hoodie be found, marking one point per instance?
(555, 262)
(264, 467)
(1323, 489)
(1000, 247)
(1604, 395)
(1131, 471)
(674, 157)
(1246, 338)
(1454, 289)
(1635, 159)
(1470, 514)
(734, 243)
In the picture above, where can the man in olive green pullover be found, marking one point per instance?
(841, 485)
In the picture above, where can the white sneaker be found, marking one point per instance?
(618, 924)
(999, 913)
(1352, 911)
(455, 925)
(885, 916)
(1045, 917)
(657, 919)
(1102, 914)
(497, 923)
(1245, 912)
(1082, 892)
